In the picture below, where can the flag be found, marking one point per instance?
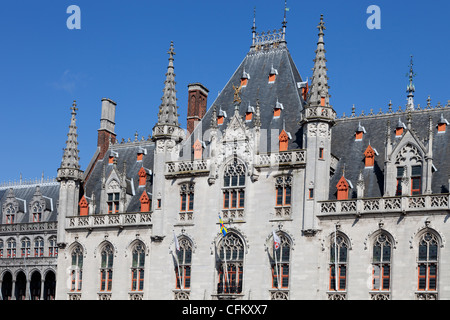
(222, 227)
(175, 240)
(276, 241)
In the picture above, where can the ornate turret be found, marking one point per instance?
(318, 102)
(70, 167)
(70, 177)
(167, 125)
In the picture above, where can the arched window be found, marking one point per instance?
(234, 186)
(10, 248)
(137, 267)
(428, 262)
(183, 266)
(338, 262)
(381, 263)
(38, 247)
(281, 254)
(25, 247)
(106, 269)
(52, 247)
(10, 214)
(77, 269)
(36, 211)
(230, 265)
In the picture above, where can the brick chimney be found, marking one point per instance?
(198, 96)
(107, 124)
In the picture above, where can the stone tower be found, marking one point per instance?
(317, 120)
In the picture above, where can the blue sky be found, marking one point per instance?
(120, 53)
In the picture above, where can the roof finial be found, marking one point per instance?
(284, 20)
(411, 88)
(254, 27)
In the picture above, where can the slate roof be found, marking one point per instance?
(24, 195)
(127, 152)
(258, 65)
(351, 152)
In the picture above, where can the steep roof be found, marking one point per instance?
(351, 153)
(257, 65)
(127, 152)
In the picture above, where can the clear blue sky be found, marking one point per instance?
(121, 53)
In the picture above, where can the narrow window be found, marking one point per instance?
(338, 263)
(38, 247)
(113, 202)
(283, 187)
(427, 262)
(400, 172)
(137, 268)
(381, 263)
(281, 263)
(106, 269)
(183, 264)
(311, 193)
(76, 274)
(416, 180)
(321, 153)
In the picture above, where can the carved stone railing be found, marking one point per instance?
(109, 220)
(235, 215)
(295, 157)
(388, 204)
(187, 167)
(29, 227)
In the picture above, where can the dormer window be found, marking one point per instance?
(37, 212)
(273, 74)
(343, 187)
(145, 202)
(244, 79)
(399, 129)
(111, 160)
(10, 214)
(277, 109)
(370, 154)
(84, 207)
(140, 154)
(142, 177)
(284, 140)
(359, 132)
(249, 113)
(220, 118)
(442, 124)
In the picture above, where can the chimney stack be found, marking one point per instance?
(107, 124)
(198, 96)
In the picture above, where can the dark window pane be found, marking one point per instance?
(423, 252)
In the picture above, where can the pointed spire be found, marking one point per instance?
(70, 159)
(411, 88)
(318, 95)
(254, 27)
(168, 109)
(284, 21)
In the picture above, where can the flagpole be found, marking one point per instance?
(224, 251)
(276, 267)
(335, 259)
(176, 257)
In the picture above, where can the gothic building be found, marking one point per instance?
(266, 195)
